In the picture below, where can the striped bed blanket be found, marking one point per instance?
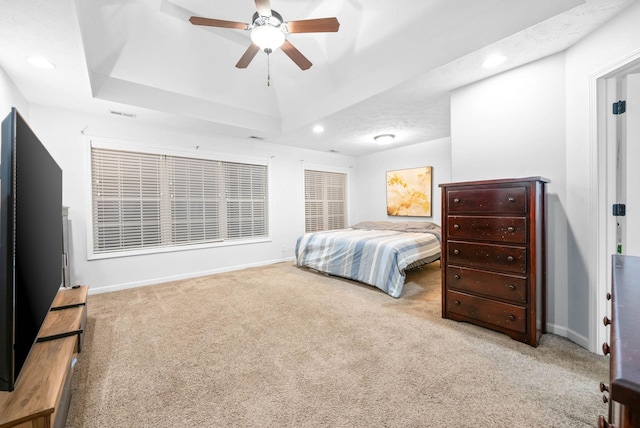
(375, 253)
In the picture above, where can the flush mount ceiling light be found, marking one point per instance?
(384, 138)
(318, 129)
(40, 62)
(494, 60)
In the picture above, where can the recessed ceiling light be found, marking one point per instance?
(41, 62)
(494, 60)
(384, 138)
(318, 129)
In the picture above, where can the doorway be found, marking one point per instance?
(618, 154)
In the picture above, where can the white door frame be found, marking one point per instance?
(603, 90)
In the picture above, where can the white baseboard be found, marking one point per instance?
(569, 334)
(160, 280)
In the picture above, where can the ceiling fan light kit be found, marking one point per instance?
(267, 37)
(269, 32)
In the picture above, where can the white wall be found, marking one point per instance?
(60, 130)
(540, 119)
(513, 125)
(611, 44)
(370, 200)
(10, 96)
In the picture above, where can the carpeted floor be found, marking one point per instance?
(279, 346)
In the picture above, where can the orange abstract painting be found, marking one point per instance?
(409, 192)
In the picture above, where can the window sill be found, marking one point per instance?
(159, 250)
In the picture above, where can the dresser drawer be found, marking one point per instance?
(504, 315)
(487, 256)
(505, 287)
(503, 229)
(499, 200)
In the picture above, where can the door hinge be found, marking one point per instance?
(619, 107)
(619, 210)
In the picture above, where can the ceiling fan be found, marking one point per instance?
(269, 32)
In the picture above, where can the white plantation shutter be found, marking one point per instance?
(325, 200)
(143, 200)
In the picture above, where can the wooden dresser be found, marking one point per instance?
(624, 346)
(493, 255)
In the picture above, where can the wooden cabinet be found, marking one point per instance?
(43, 391)
(493, 255)
(624, 346)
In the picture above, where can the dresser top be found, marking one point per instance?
(498, 181)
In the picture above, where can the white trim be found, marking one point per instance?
(88, 197)
(597, 197)
(172, 249)
(569, 334)
(599, 218)
(160, 280)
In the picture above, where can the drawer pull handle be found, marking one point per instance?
(603, 387)
(605, 348)
(511, 318)
(456, 201)
(456, 276)
(605, 400)
(456, 302)
(606, 321)
(512, 199)
(456, 252)
(511, 229)
(510, 258)
(512, 287)
(608, 296)
(456, 226)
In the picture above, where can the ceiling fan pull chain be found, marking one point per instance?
(268, 51)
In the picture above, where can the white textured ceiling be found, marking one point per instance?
(387, 70)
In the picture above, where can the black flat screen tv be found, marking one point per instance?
(30, 242)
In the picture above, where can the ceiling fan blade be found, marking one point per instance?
(251, 51)
(196, 20)
(295, 55)
(263, 7)
(321, 25)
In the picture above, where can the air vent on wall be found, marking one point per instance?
(119, 113)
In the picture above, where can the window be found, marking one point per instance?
(145, 200)
(325, 200)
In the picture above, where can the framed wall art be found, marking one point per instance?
(409, 192)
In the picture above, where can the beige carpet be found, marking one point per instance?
(278, 346)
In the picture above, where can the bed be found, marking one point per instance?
(375, 253)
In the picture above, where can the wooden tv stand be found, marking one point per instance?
(43, 390)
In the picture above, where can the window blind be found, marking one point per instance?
(325, 200)
(143, 200)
